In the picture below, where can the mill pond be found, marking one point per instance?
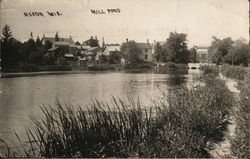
(22, 97)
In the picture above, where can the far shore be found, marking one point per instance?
(28, 74)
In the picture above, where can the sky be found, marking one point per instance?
(137, 20)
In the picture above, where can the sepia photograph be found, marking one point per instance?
(124, 79)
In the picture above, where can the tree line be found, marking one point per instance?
(228, 51)
(175, 49)
(15, 54)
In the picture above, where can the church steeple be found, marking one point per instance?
(103, 43)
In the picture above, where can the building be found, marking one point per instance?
(202, 54)
(91, 53)
(111, 48)
(147, 51)
(66, 44)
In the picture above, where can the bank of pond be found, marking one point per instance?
(182, 122)
(32, 70)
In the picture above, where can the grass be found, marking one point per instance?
(241, 141)
(183, 122)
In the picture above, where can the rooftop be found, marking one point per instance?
(144, 45)
(52, 40)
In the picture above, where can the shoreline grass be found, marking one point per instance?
(185, 122)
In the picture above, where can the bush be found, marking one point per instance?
(240, 142)
(171, 65)
(62, 61)
(101, 67)
(210, 70)
(233, 72)
(184, 122)
(141, 65)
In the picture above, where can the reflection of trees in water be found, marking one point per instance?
(176, 80)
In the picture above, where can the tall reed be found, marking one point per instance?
(183, 123)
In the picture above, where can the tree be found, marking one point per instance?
(176, 47)
(115, 57)
(240, 52)
(92, 42)
(192, 55)
(219, 49)
(77, 43)
(38, 42)
(159, 53)
(10, 48)
(7, 33)
(131, 52)
(62, 61)
(48, 45)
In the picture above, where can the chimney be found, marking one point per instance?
(43, 36)
(147, 41)
(70, 37)
(127, 40)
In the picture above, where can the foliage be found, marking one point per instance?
(18, 56)
(48, 45)
(62, 61)
(10, 54)
(141, 65)
(77, 43)
(183, 122)
(229, 51)
(233, 72)
(101, 67)
(192, 55)
(176, 46)
(7, 33)
(38, 42)
(210, 70)
(92, 42)
(219, 48)
(240, 142)
(159, 52)
(115, 57)
(131, 52)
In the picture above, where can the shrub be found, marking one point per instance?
(171, 65)
(233, 72)
(62, 61)
(240, 142)
(184, 122)
(141, 65)
(101, 67)
(212, 70)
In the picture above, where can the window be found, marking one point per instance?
(146, 50)
(146, 56)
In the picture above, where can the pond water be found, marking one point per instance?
(21, 97)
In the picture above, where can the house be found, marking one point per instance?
(111, 48)
(202, 54)
(92, 52)
(147, 51)
(66, 44)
